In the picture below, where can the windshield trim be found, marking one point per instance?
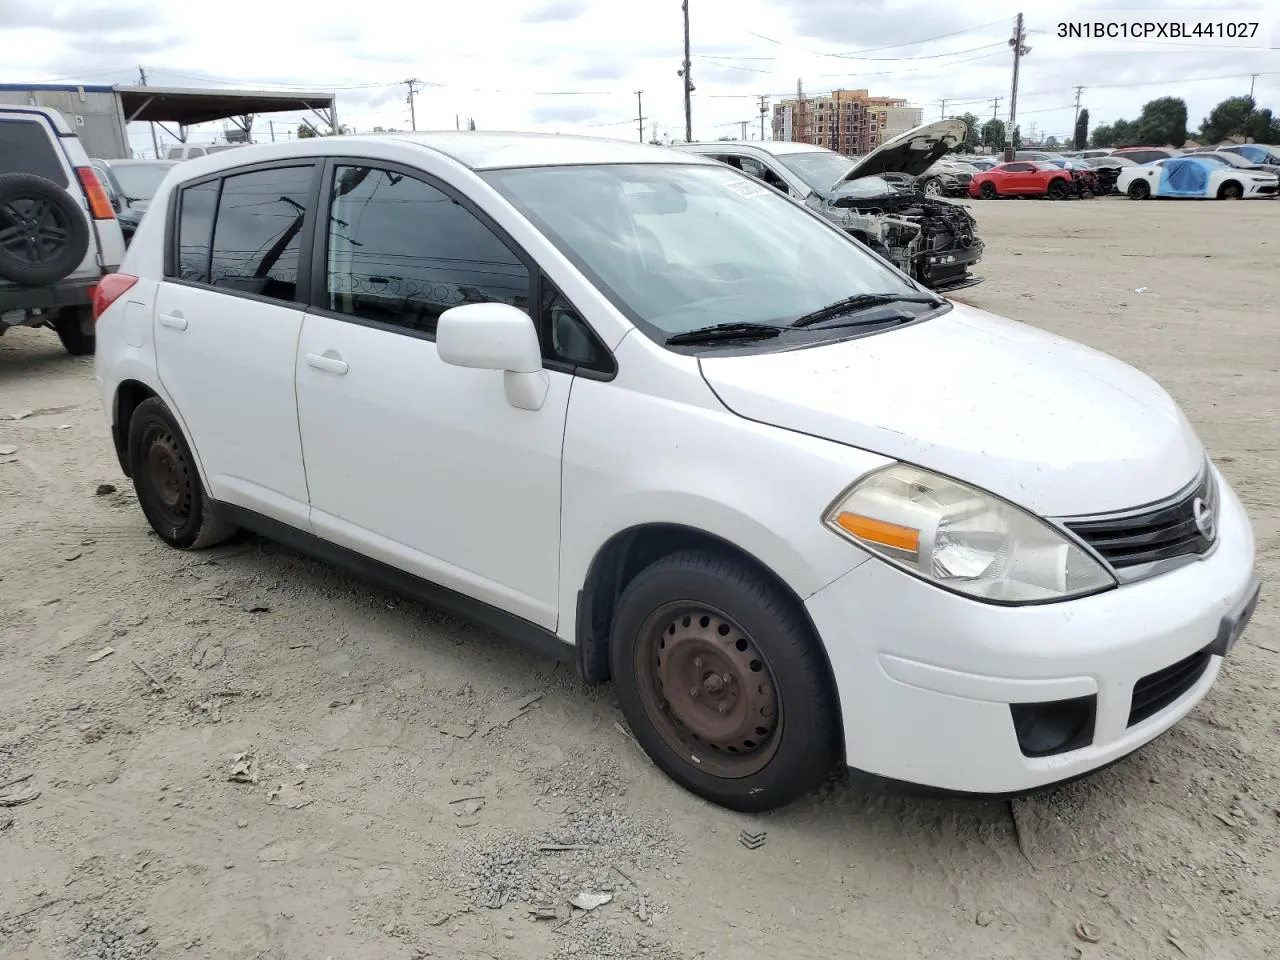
(494, 176)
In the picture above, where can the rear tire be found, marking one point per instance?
(1139, 190)
(167, 483)
(723, 682)
(74, 328)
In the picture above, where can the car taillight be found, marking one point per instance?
(99, 205)
(109, 290)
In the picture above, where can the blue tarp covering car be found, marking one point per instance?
(1185, 177)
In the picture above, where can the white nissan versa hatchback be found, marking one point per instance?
(635, 407)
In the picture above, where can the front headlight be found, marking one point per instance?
(963, 539)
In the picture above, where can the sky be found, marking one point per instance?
(573, 66)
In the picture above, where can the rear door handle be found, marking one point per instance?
(327, 363)
(175, 320)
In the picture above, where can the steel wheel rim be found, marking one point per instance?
(168, 478)
(708, 690)
(32, 229)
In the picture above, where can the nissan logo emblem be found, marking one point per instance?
(1203, 514)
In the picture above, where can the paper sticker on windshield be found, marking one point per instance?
(748, 188)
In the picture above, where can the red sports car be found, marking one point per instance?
(1023, 178)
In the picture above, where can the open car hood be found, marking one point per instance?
(912, 152)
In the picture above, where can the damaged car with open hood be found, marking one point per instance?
(875, 198)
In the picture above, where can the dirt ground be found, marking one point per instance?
(377, 828)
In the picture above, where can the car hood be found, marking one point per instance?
(912, 152)
(1042, 421)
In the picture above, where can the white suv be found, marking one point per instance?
(634, 407)
(58, 229)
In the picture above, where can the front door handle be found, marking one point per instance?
(175, 320)
(330, 364)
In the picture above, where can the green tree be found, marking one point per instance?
(1051, 143)
(993, 134)
(1016, 138)
(1263, 127)
(1080, 139)
(1163, 121)
(1230, 118)
(306, 131)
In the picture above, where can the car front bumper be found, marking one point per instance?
(926, 678)
(949, 269)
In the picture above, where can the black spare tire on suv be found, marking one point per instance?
(44, 235)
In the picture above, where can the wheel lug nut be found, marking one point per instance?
(697, 661)
(724, 706)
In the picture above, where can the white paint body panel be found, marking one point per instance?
(1046, 423)
(385, 449)
(1250, 181)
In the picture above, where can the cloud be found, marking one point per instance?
(565, 113)
(556, 11)
(91, 20)
(600, 68)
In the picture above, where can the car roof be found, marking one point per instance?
(477, 150)
(132, 162)
(771, 147)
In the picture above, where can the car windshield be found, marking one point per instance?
(820, 169)
(864, 187)
(140, 181)
(680, 247)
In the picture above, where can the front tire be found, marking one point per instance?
(167, 483)
(988, 190)
(723, 682)
(1059, 189)
(1230, 191)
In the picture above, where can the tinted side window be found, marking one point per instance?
(402, 252)
(196, 206)
(258, 232)
(26, 146)
(1018, 167)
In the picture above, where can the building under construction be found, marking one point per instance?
(851, 122)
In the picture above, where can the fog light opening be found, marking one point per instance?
(1054, 726)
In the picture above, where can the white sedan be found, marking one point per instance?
(1195, 177)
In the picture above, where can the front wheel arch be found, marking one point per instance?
(628, 552)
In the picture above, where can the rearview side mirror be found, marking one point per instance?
(496, 336)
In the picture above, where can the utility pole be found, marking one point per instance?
(764, 109)
(1020, 49)
(155, 144)
(1079, 90)
(410, 99)
(688, 83)
(744, 128)
(943, 114)
(1253, 77)
(640, 117)
(272, 125)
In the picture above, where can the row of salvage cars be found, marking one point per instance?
(892, 200)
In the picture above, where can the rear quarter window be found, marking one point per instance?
(27, 146)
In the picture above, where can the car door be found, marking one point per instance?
(227, 320)
(414, 462)
(1019, 178)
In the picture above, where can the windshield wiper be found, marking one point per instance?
(861, 301)
(719, 332)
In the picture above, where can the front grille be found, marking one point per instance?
(1162, 532)
(1158, 690)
